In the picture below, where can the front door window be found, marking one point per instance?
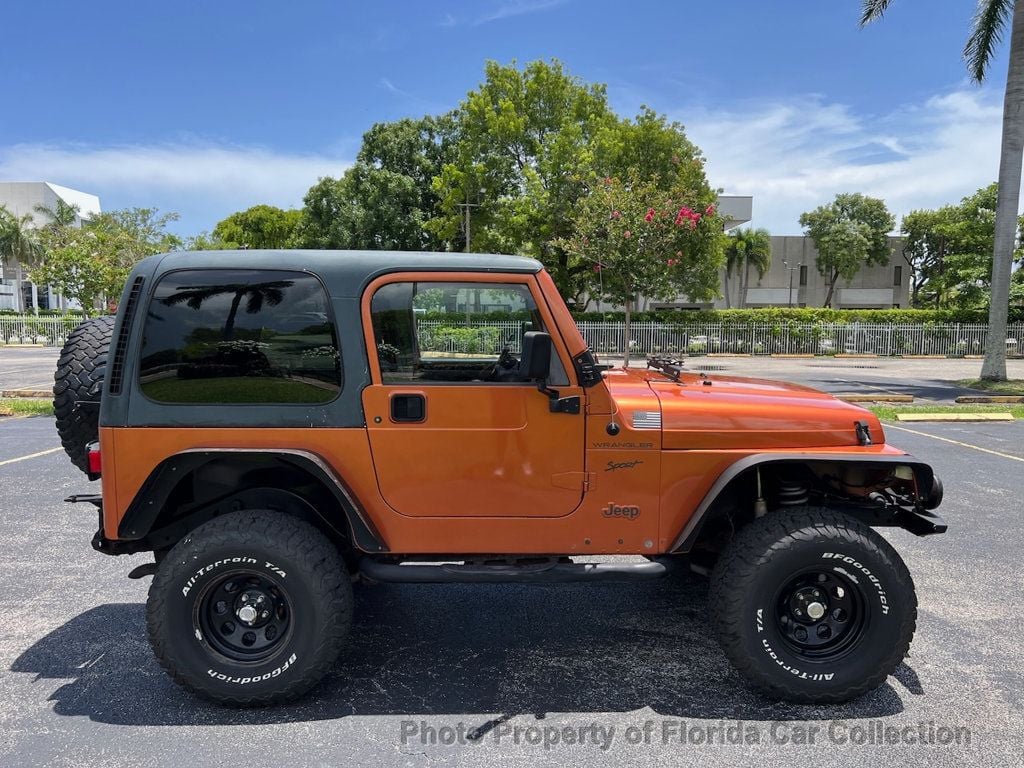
(444, 333)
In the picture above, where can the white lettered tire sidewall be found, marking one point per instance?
(879, 634)
(761, 561)
(318, 592)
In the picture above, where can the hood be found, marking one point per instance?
(728, 412)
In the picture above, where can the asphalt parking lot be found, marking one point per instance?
(81, 685)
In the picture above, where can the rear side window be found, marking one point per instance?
(239, 336)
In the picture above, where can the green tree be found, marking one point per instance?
(523, 156)
(262, 226)
(746, 248)
(80, 264)
(651, 147)
(638, 238)
(926, 241)
(385, 199)
(206, 241)
(90, 261)
(528, 143)
(950, 251)
(849, 233)
(987, 28)
(19, 245)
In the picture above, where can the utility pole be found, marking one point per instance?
(466, 208)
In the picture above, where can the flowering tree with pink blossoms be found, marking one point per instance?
(644, 240)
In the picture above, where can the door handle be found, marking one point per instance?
(408, 407)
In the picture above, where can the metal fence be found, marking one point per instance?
(954, 339)
(647, 338)
(28, 329)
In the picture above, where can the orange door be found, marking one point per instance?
(479, 451)
(451, 431)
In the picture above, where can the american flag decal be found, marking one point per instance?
(647, 420)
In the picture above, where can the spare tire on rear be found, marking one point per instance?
(79, 377)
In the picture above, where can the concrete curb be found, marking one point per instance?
(954, 417)
(26, 393)
(990, 399)
(880, 397)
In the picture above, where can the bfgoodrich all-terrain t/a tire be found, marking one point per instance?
(812, 606)
(81, 368)
(251, 608)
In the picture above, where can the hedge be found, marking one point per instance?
(802, 315)
(762, 315)
(725, 316)
(42, 313)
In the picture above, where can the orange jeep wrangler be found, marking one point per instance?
(275, 426)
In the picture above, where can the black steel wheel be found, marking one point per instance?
(820, 614)
(250, 608)
(244, 615)
(812, 606)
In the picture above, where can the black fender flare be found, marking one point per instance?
(924, 477)
(145, 508)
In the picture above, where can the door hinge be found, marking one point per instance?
(573, 480)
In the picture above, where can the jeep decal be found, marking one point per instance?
(630, 512)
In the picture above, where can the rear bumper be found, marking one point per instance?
(99, 541)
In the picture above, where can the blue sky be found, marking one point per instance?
(208, 107)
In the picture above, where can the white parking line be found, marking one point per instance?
(956, 442)
(31, 456)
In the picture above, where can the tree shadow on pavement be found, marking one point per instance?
(421, 650)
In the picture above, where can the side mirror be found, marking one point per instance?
(535, 362)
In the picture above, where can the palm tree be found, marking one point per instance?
(19, 245)
(987, 28)
(255, 295)
(746, 248)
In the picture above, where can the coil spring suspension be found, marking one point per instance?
(792, 494)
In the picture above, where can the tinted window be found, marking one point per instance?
(239, 336)
(454, 332)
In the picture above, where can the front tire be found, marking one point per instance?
(812, 606)
(251, 608)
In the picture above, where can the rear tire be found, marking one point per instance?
(812, 606)
(81, 369)
(251, 608)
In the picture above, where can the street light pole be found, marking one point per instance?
(791, 270)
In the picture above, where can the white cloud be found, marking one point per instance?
(518, 8)
(795, 156)
(202, 181)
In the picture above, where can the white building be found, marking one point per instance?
(26, 198)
